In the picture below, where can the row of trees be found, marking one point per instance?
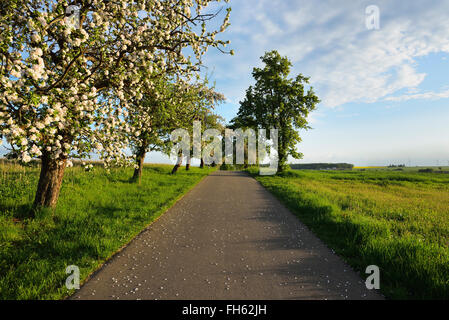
(79, 77)
(322, 166)
(85, 76)
(276, 101)
(396, 166)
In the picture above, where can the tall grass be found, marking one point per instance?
(398, 221)
(97, 213)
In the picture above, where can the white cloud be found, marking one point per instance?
(430, 95)
(328, 41)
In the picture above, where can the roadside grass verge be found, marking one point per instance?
(97, 213)
(398, 221)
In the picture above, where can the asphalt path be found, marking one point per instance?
(228, 238)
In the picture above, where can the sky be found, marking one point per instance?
(384, 92)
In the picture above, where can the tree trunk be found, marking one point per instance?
(50, 181)
(280, 166)
(177, 165)
(282, 151)
(140, 158)
(202, 163)
(282, 160)
(188, 164)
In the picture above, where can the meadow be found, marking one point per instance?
(397, 220)
(97, 213)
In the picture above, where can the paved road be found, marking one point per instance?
(228, 238)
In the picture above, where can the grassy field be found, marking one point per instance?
(398, 221)
(96, 215)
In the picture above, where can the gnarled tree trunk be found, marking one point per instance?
(50, 181)
(140, 158)
(202, 163)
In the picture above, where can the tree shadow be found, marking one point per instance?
(19, 212)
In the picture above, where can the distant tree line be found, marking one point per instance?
(321, 166)
(396, 166)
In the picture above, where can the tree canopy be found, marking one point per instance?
(277, 101)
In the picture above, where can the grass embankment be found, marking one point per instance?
(398, 221)
(97, 214)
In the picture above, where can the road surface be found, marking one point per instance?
(228, 238)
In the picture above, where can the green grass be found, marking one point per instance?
(398, 221)
(97, 214)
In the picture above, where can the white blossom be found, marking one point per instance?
(69, 104)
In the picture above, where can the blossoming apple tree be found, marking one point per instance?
(153, 117)
(69, 69)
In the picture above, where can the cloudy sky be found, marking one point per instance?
(385, 92)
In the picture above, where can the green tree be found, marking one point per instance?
(198, 103)
(277, 101)
(153, 117)
(210, 120)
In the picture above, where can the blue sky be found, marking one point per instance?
(385, 93)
